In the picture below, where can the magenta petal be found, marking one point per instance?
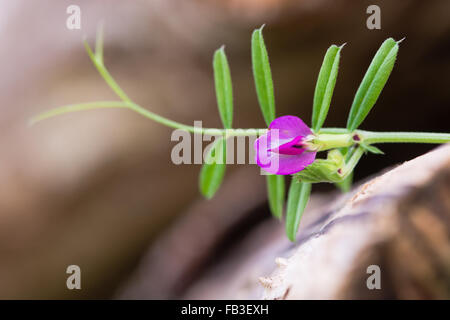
(276, 163)
(290, 125)
(292, 147)
(280, 150)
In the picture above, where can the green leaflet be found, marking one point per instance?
(266, 99)
(325, 86)
(224, 90)
(372, 83)
(213, 170)
(297, 199)
(371, 149)
(263, 76)
(275, 192)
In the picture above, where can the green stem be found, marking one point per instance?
(97, 60)
(328, 138)
(76, 107)
(352, 162)
(325, 139)
(148, 114)
(331, 138)
(370, 137)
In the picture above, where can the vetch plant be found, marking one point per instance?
(288, 147)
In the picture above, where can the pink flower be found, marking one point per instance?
(281, 149)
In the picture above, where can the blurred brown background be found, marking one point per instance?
(97, 189)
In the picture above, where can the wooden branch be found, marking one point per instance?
(399, 221)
